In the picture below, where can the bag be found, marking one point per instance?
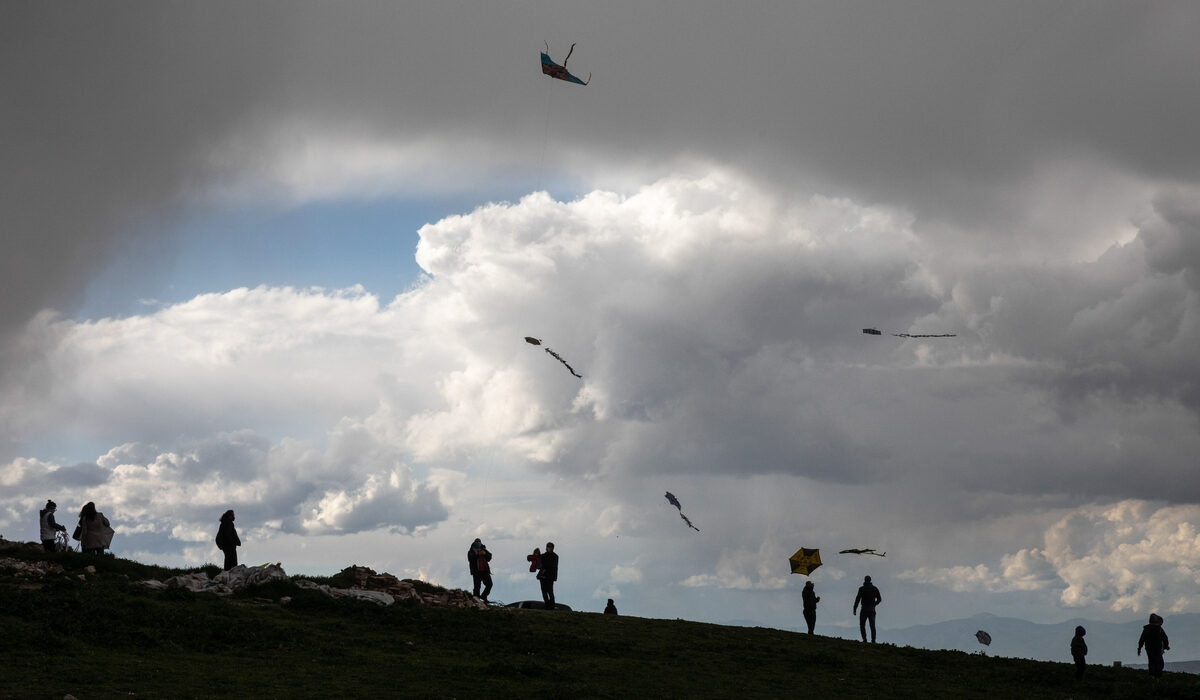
(78, 532)
(106, 531)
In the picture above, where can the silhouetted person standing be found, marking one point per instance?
(1079, 651)
(227, 540)
(1155, 640)
(95, 531)
(810, 598)
(548, 575)
(48, 527)
(478, 557)
(868, 596)
(611, 608)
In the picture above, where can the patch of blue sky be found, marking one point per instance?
(331, 244)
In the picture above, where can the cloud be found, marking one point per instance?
(743, 569)
(717, 327)
(717, 330)
(159, 107)
(1127, 556)
(1026, 570)
(375, 504)
(1131, 555)
(293, 486)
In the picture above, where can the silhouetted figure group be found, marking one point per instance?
(94, 533)
(868, 598)
(544, 564)
(1153, 639)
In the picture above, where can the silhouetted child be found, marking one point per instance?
(1079, 651)
(535, 559)
(1155, 640)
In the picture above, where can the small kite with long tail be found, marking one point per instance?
(536, 341)
(876, 331)
(675, 502)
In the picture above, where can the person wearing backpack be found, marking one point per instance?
(481, 571)
(95, 532)
(227, 540)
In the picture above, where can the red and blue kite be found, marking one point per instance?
(552, 69)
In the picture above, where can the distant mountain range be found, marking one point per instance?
(1107, 641)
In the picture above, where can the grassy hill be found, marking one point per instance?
(100, 635)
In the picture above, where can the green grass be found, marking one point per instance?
(105, 637)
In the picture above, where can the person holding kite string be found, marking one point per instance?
(810, 598)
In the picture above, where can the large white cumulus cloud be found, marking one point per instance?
(1127, 556)
(717, 326)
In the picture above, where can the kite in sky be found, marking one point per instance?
(984, 638)
(805, 560)
(675, 502)
(535, 341)
(552, 69)
(876, 331)
(863, 551)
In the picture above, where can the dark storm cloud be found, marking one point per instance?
(112, 113)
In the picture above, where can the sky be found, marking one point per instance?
(281, 257)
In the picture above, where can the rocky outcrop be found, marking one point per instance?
(366, 580)
(381, 589)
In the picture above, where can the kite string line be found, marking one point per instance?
(541, 172)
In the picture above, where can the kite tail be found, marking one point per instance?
(564, 63)
(564, 362)
(924, 335)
